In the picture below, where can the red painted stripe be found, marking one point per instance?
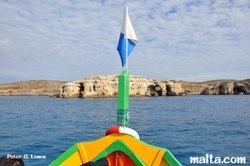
(113, 129)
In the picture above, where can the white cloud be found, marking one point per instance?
(4, 43)
(177, 39)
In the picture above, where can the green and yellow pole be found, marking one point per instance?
(123, 99)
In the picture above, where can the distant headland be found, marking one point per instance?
(106, 86)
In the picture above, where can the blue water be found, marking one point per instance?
(187, 126)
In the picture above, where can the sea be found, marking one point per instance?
(40, 128)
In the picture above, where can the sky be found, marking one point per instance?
(67, 40)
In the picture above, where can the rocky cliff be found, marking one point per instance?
(228, 88)
(106, 86)
(31, 88)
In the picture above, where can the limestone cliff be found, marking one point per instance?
(228, 88)
(106, 86)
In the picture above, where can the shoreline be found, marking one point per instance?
(105, 87)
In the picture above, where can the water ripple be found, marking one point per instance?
(187, 126)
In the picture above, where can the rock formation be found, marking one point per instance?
(106, 86)
(211, 90)
(242, 87)
(175, 89)
(228, 88)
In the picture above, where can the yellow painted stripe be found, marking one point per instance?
(158, 158)
(82, 152)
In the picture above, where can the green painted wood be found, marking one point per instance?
(123, 90)
(123, 99)
(171, 160)
(120, 146)
(64, 156)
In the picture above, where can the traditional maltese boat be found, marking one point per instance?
(121, 145)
